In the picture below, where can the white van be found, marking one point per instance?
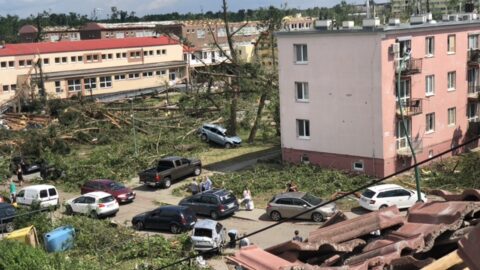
(45, 195)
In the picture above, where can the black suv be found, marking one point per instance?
(7, 212)
(214, 203)
(174, 218)
(27, 166)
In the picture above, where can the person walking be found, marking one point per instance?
(297, 237)
(20, 174)
(13, 191)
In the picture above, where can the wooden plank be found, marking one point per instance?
(445, 262)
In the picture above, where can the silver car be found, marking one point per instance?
(216, 134)
(208, 235)
(289, 204)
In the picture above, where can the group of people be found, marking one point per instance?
(204, 185)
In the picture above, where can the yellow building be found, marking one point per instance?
(90, 67)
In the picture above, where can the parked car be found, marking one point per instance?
(28, 166)
(45, 195)
(94, 204)
(7, 213)
(170, 169)
(208, 235)
(289, 204)
(217, 134)
(215, 203)
(117, 190)
(381, 196)
(174, 218)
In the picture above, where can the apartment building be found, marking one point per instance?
(90, 67)
(338, 92)
(94, 30)
(29, 33)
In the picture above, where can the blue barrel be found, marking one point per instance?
(60, 239)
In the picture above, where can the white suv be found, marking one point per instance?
(381, 196)
(95, 204)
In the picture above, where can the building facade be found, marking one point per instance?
(338, 94)
(90, 67)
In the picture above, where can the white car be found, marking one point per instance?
(45, 195)
(381, 196)
(95, 204)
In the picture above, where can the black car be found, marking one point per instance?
(27, 166)
(172, 217)
(7, 212)
(214, 203)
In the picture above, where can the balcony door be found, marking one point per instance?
(404, 92)
(472, 80)
(401, 134)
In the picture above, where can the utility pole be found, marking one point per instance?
(402, 62)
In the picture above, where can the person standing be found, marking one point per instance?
(208, 184)
(20, 174)
(297, 237)
(194, 187)
(247, 199)
(13, 191)
(291, 187)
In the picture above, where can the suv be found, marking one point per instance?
(214, 203)
(174, 218)
(381, 196)
(7, 213)
(117, 190)
(207, 235)
(95, 204)
(289, 204)
(216, 134)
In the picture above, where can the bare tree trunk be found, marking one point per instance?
(258, 117)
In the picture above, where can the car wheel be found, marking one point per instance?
(214, 215)
(9, 227)
(275, 215)
(175, 229)
(204, 137)
(139, 226)
(167, 182)
(317, 217)
(228, 145)
(68, 210)
(93, 214)
(383, 206)
(197, 171)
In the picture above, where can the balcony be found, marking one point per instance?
(473, 91)
(473, 129)
(409, 67)
(474, 56)
(404, 151)
(411, 107)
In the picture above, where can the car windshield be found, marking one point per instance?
(203, 232)
(115, 186)
(227, 198)
(368, 193)
(107, 199)
(311, 199)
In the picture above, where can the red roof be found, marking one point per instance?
(83, 45)
(28, 29)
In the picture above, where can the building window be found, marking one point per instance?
(452, 78)
(472, 112)
(106, 82)
(120, 77)
(13, 87)
(164, 51)
(104, 56)
(303, 129)
(150, 52)
(137, 54)
(90, 83)
(46, 61)
(452, 116)
(473, 42)
(429, 46)
(301, 55)
(73, 59)
(6, 88)
(79, 58)
(301, 91)
(57, 60)
(358, 165)
(401, 134)
(74, 85)
(148, 74)
(200, 33)
(430, 122)
(161, 72)
(119, 55)
(21, 63)
(430, 85)
(64, 60)
(134, 75)
(11, 64)
(304, 159)
(110, 56)
(451, 44)
(58, 87)
(3, 64)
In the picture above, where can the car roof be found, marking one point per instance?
(97, 194)
(172, 207)
(290, 195)
(38, 187)
(222, 129)
(384, 187)
(171, 158)
(216, 191)
(206, 223)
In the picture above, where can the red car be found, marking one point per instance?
(117, 190)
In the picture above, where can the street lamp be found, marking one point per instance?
(403, 63)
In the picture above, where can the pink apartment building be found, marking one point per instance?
(338, 92)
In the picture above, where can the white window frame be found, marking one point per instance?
(5, 88)
(105, 81)
(301, 91)
(452, 116)
(450, 45)
(360, 168)
(303, 129)
(120, 77)
(451, 80)
(133, 76)
(429, 46)
(74, 85)
(472, 115)
(430, 123)
(429, 85)
(472, 42)
(300, 53)
(147, 74)
(58, 87)
(90, 82)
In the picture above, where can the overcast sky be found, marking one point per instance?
(24, 8)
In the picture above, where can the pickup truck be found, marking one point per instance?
(170, 169)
